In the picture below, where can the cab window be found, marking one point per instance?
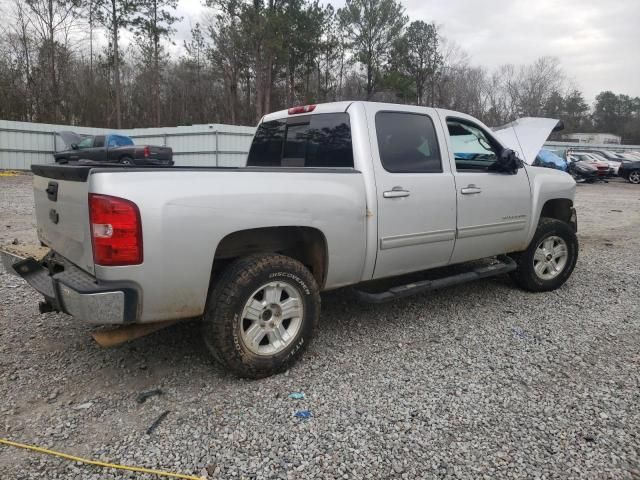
(320, 140)
(123, 141)
(473, 148)
(407, 143)
(119, 141)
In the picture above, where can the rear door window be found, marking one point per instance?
(322, 140)
(407, 143)
(99, 141)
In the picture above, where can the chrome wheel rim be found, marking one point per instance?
(634, 177)
(271, 318)
(550, 258)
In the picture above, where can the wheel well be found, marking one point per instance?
(305, 244)
(558, 208)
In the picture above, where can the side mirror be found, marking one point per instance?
(508, 162)
(74, 146)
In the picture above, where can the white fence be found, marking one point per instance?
(561, 147)
(23, 144)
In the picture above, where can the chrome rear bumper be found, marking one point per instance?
(70, 290)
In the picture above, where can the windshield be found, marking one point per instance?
(600, 158)
(86, 143)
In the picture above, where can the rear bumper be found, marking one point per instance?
(70, 290)
(155, 162)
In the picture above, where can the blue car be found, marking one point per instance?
(548, 159)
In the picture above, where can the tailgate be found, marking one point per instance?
(164, 153)
(61, 195)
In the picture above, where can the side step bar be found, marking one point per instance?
(504, 265)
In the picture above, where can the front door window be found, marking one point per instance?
(473, 148)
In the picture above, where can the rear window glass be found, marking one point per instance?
(407, 143)
(99, 141)
(322, 140)
(123, 141)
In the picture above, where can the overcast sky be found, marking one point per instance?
(597, 41)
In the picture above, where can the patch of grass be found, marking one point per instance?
(9, 173)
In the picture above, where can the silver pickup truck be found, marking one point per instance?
(343, 194)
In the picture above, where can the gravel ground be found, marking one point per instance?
(477, 381)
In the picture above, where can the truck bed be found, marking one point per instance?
(187, 211)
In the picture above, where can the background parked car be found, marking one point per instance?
(585, 167)
(630, 171)
(613, 158)
(113, 148)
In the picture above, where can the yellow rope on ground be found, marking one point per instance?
(8, 173)
(95, 462)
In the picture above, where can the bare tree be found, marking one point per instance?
(49, 19)
(152, 24)
(114, 15)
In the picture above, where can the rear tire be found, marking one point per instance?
(126, 161)
(549, 259)
(261, 315)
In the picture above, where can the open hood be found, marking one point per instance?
(70, 137)
(527, 135)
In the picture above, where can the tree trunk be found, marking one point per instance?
(248, 97)
(291, 76)
(233, 95)
(259, 84)
(116, 62)
(55, 95)
(369, 78)
(91, 20)
(341, 74)
(156, 66)
(268, 86)
(419, 90)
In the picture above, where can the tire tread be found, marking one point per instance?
(228, 290)
(525, 277)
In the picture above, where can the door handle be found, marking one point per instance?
(396, 192)
(470, 190)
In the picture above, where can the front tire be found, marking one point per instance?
(549, 259)
(261, 315)
(634, 177)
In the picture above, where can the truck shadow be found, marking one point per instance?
(180, 349)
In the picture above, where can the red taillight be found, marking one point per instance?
(116, 231)
(146, 152)
(301, 109)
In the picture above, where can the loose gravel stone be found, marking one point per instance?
(477, 381)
